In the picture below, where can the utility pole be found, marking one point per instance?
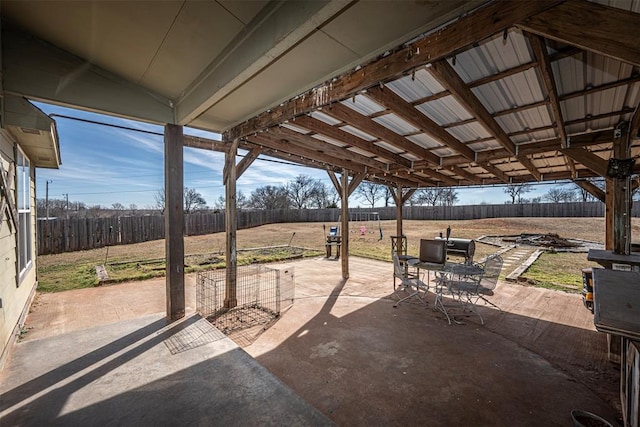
(46, 198)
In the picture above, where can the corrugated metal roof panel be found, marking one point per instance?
(411, 157)
(424, 140)
(325, 118)
(444, 152)
(329, 140)
(418, 86)
(396, 124)
(512, 91)
(496, 55)
(359, 151)
(363, 105)
(389, 147)
(469, 132)
(445, 110)
(530, 119)
(358, 132)
(295, 128)
(484, 145)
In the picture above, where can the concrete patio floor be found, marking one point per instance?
(342, 347)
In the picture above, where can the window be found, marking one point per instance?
(23, 187)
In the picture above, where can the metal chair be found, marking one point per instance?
(468, 289)
(492, 268)
(409, 282)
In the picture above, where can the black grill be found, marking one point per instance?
(465, 248)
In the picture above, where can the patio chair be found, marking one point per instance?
(492, 268)
(410, 282)
(469, 289)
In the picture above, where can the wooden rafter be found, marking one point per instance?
(352, 140)
(470, 29)
(265, 140)
(544, 65)
(605, 30)
(588, 159)
(448, 78)
(408, 112)
(374, 128)
(294, 138)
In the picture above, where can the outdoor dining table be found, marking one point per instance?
(444, 274)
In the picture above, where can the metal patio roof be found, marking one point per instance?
(416, 93)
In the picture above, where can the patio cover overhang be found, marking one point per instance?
(410, 95)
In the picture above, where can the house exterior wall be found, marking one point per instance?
(16, 292)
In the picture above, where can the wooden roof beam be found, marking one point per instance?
(544, 65)
(587, 158)
(366, 124)
(408, 112)
(607, 31)
(448, 78)
(265, 140)
(308, 142)
(476, 26)
(320, 127)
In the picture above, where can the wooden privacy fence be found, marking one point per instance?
(68, 235)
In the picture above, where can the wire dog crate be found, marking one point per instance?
(262, 293)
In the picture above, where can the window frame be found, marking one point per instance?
(24, 241)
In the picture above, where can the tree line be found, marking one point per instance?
(305, 192)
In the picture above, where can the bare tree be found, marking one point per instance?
(325, 197)
(117, 206)
(516, 191)
(301, 191)
(269, 197)
(560, 195)
(370, 192)
(193, 201)
(241, 201)
(158, 197)
(434, 196)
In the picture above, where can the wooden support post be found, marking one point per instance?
(621, 197)
(344, 226)
(399, 203)
(231, 225)
(174, 221)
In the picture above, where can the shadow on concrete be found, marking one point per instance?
(142, 383)
(364, 362)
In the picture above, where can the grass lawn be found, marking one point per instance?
(145, 260)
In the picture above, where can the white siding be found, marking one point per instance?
(15, 296)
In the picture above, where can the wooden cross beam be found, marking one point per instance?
(587, 158)
(605, 30)
(592, 189)
(352, 140)
(544, 65)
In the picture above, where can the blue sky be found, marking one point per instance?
(106, 165)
